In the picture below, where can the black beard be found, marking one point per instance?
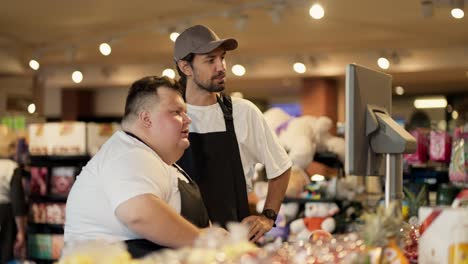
(210, 88)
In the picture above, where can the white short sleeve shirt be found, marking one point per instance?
(257, 142)
(123, 168)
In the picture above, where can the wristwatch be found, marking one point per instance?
(270, 214)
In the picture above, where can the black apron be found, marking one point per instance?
(213, 160)
(192, 209)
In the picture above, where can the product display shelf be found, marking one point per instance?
(51, 180)
(433, 174)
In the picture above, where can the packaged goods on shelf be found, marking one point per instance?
(97, 134)
(61, 139)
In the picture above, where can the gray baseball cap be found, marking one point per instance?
(200, 40)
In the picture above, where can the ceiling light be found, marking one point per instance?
(457, 13)
(105, 49)
(454, 115)
(383, 63)
(34, 64)
(169, 73)
(430, 102)
(173, 36)
(399, 90)
(31, 108)
(77, 76)
(457, 9)
(299, 67)
(316, 11)
(238, 70)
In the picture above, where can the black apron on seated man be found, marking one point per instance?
(192, 209)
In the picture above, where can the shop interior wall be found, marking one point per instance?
(11, 87)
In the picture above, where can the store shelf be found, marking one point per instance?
(58, 160)
(430, 173)
(42, 261)
(44, 228)
(306, 200)
(47, 199)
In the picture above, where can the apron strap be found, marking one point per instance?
(240, 186)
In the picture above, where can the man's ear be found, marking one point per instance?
(185, 67)
(145, 118)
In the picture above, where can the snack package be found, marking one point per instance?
(440, 146)
(459, 160)
(422, 147)
(38, 185)
(40, 246)
(57, 245)
(37, 213)
(55, 213)
(98, 134)
(62, 179)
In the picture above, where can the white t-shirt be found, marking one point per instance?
(257, 142)
(7, 167)
(123, 168)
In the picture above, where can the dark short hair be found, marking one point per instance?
(143, 89)
(183, 78)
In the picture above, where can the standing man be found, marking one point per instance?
(227, 137)
(13, 212)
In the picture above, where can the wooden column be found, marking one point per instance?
(76, 104)
(319, 97)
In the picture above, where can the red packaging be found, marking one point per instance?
(422, 148)
(38, 184)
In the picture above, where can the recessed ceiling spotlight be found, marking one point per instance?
(383, 63)
(105, 49)
(238, 70)
(399, 90)
(31, 108)
(173, 36)
(77, 76)
(299, 67)
(34, 64)
(316, 11)
(169, 73)
(457, 13)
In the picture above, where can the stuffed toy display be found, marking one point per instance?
(298, 179)
(318, 216)
(303, 136)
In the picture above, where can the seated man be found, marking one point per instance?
(131, 190)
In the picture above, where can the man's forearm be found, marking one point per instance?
(276, 191)
(154, 220)
(21, 223)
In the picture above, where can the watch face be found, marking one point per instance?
(270, 214)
